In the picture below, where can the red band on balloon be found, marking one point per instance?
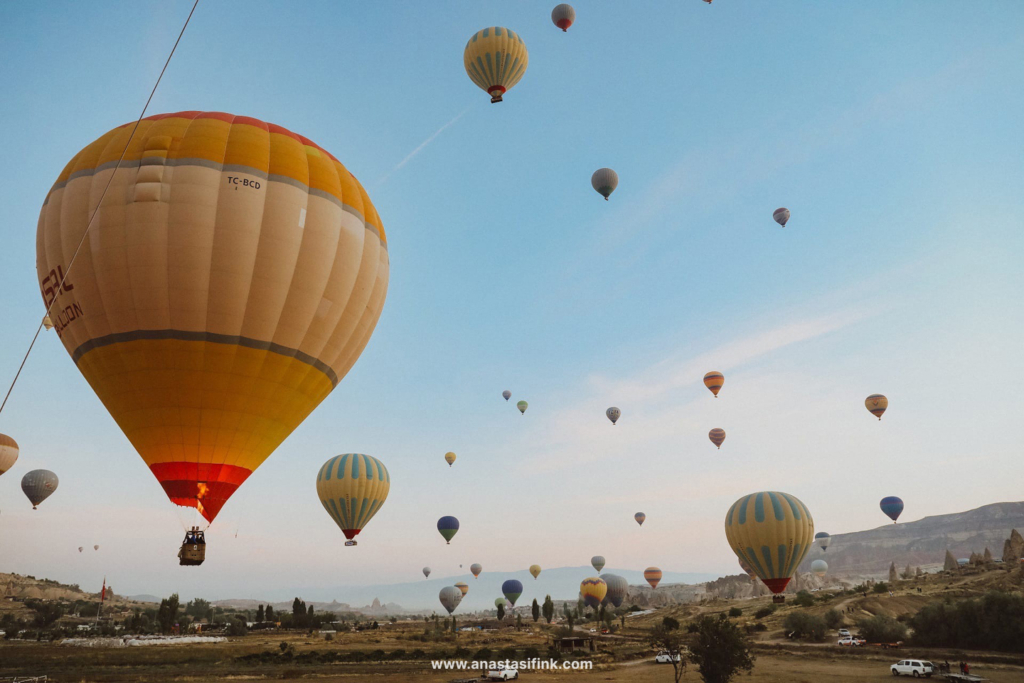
(203, 486)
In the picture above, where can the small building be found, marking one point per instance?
(575, 643)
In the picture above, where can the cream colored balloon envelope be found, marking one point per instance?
(231, 279)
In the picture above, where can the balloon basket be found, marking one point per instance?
(350, 543)
(193, 550)
(778, 599)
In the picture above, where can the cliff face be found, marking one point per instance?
(924, 542)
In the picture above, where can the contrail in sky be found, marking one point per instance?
(419, 149)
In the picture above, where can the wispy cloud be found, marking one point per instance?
(383, 179)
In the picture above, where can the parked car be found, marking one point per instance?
(666, 657)
(913, 667)
(844, 633)
(851, 642)
(503, 674)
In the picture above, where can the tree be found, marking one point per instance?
(548, 609)
(804, 599)
(720, 650)
(670, 624)
(669, 640)
(833, 618)
(270, 613)
(569, 616)
(735, 612)
(995, 621)
(167, 615)
(805, 626)
(881, 629)
(519, 621)
(501, 611)
(259, 613)
(535, 610)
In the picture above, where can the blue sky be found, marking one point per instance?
(891, 130)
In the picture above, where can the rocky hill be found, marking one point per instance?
(924, 542)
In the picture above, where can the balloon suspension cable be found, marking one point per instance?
(92, 217)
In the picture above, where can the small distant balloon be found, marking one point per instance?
(495, 59)
(563, 16)
(450, 597)
(598, 563)
(462, 586)
(892, 507)
(535, 570)
(47, 323)
(95, 547)
(593, 591)
(522, 405)
(640, 517)
(653, 576)
(499, 602)
(613, 414)
(617, 589)
(426, 572)
(717, 436)
(781, 216)
(876, 404)
(714, 381)
(605, 180)
(823, 540)
(506, 394)
(38, 485)
(449, 458)
(79, 548)
(476, 568)
(819, 568)
(512, 589)
(448, 526)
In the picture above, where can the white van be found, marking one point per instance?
(913, 667)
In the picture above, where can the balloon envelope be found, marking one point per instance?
(426, 571)
(448, 526)
(714, 381)
(876, 404)
(449, 458)
(506, 394)
(598, 562)
(476, 568)
(717, 436)
(781, 216)
(535, 570)
(653, 576)
(95, 547)
(450, 597)
(604, 181)
(593, 590)
(613, 414)
(464, 587)
(617, 588)
(640, 517)
(522, 405)
(819, 568)
(563, 16)
(771, 532)
(823, 540)
(230, 282)
(495, 59)
(512, 589)
(8, 453)
(892, 507)
(352, 488)
(38, 485)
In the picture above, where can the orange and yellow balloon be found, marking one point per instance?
(593, 590)
(876, 404)
(653, 576)
(352, 488)
(714, 381)
(8, 453)
(772, 533)
(449, 458)
(230, 282)
(495, 59)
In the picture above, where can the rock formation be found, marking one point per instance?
(918, 572)
(1013, 548)
(950, 564)
(987, 557)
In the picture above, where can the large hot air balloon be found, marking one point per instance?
(617, 588)
(781, 216)
(352, 488)
(823, 540)
(771, 532)
(426, 572)
(598, 562)
(640, 517)
(563, 16)
(522, 405)
(512, 589)
(714, 380)
(464, 587)
(8, 453)
(653, 576)
(449, 458)
(892, 507)
(448, 526)
(495, 59)
(876, 404)
(506, 394)
(476, 568)
(593, 590)
(819, 568)
(450, 597)
(717, 436)
(38, 485)
(605, 180)
(613, 414)
(230, 282)
(535, 571)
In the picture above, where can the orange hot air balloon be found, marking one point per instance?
(653, 576)
(717, 436)
(230, 282)
(876, 404)
(714, 381)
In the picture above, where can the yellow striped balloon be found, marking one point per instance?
(772, 533)
(653, 576)
(464, 587)
(717, 436)
(230, 281)
(495, 59)
(593, 591)
(8, 453)
(352, 488)
(714, 381)
(876, 404)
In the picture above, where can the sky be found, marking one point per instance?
(890, 130)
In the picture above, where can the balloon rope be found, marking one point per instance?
(60, 286)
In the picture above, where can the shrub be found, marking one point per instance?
(833, 618)
(329, 637)
(531, 653)
(483, 654)
(764, 612)
(377, 655)
(804, 599)
(881, 629)
(881, 587)
(995, 621)
(417, 654)
(760, 627)
(397, 654)
(670, 623)
(735, 612)
(805, 626)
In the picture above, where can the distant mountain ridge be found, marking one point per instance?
(924, 542)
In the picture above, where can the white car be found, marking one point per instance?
(844, 633)
(850, 641)
(503, 674)
(913, 667)
(666, 657)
